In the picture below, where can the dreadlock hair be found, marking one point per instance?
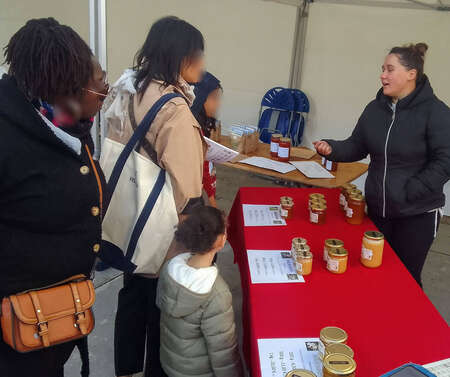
(48, 60)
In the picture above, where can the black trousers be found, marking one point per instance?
(411, 238)
(136, 338)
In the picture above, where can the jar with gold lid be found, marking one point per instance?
(318, 213)
(337, 261)
(331, 335)
(342, 198)
(284, 149)
(329, 165)
(316, 195)
(348, 193)
(339, 348)
(296, 242)
(356, 209)
(300, 373)
(304, 260)
(287, 207)
(337, 365)
(372, 249)
(331, 244)
(316, 201)
(274, 143)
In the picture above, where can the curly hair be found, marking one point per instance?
(199, 231)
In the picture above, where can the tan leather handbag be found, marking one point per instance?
(41, 318)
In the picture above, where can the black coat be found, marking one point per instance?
(48, 219)
(409, 151)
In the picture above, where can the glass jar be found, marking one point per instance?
(342, 197)
(348, 193)
(316, 201)
(300, 373)
(337, 261)
(338, 365)
(287, 208)
(339, 348)
(329, 165)
(304, 261)
(318, 213)
(316, 195)
(297, 242)
(331, 335)
(331, 244)
(284, 149)
(372, 249)
(274, 142)
(356, 209)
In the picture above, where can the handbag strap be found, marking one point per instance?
(80, 315)
(137, 136)
(42, 325)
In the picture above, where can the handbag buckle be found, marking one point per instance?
(42, 328)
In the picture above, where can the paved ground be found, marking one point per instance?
(436, 278)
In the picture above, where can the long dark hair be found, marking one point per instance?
(412, 57)
(48, 60)
(169, 43)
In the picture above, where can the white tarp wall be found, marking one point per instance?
(344, 51)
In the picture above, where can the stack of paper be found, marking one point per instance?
(266, 163)
(218, 153)
(312, 169)
(262, 215)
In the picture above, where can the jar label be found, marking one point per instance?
(321, 349)
(283, 152)
(274, 147)
(329, 165)
(299, 268)
(366, 253)
(313, 217)
(325, 254)
(349, 212)
(284, 212)
(342, 199)
(333, 264)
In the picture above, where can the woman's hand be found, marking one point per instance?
(323, 148)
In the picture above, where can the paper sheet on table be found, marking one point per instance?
(262, 215)
(302, 152)
(439, 368)
(280, 356)
(218, 153)
(272, 266)
(267, 163)
(312, 169)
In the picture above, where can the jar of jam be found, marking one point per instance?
(300, 373)
(339, 348)
(329, 165)
(331, 335)
(342, 198)
(287, 209)
(338, 365)
(284, 149)
(330, 245)
(337, 261)
(356, 209)
(372, 249)
(274, 142)
(318, 213)
(304, 261)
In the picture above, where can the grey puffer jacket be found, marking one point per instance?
(198, 335)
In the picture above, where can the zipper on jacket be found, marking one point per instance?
(385, 160)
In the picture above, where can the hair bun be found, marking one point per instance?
(421, 48)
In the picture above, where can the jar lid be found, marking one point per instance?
(339, 252)
(305, 254)
(317, 195)
(354, 191)
(300, 373)
(287, 203)
(339, 348)
(277, 136)
(356, 197)
(318, 206)
(285, 140)
(334, 243)
(339, 364)
(374, 235)
(299, 241)
(333, 334)
(286, 198)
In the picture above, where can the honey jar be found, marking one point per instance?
(274, 143)
(339, 348)
(356, 209)
(331, 335)
(284, 149)
(304, 260)
(287, 207)
(316, 201)
(300, 373)
(317, 195)
(342, 198)
(348, 193)
(331, 244)
(329, 165)
(372, 249)
(338, 365)
(337, 261)
(318, 213)
(296, 242)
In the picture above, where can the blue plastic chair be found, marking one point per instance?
(297, 126)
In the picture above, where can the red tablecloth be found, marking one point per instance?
(390, 321)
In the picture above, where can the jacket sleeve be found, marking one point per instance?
(179, 149)
(352, 149)
(218, 328)
(436, 172)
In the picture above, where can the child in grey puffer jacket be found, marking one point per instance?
(198, 335)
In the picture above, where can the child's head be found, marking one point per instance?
(203, 231)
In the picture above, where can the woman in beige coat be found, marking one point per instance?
(198, 335)
(171, 57)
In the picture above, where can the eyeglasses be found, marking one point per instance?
(101, 95)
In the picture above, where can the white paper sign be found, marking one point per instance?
(439, 368)
(262, 215)
(266, 163)
(218, 153)
(272, 266)
(312, 169)
(280, 356)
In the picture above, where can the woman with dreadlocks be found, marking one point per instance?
(50, 187)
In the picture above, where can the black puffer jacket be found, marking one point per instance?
(409, 148)
(49, 200)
